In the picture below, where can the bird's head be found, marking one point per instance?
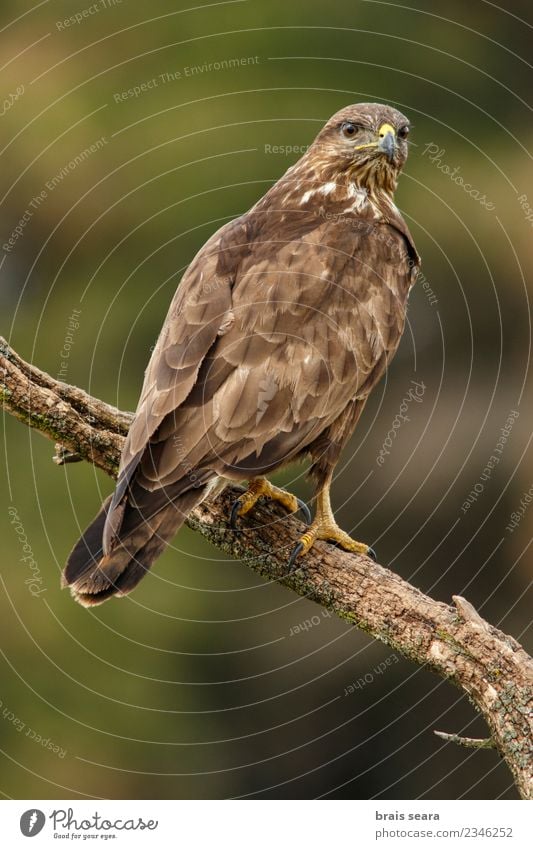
(367, 142)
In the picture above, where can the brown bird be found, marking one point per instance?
(281, 327)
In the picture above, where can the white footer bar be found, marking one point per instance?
(269, 824)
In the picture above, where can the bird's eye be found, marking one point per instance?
(348, 129)
(403, 132)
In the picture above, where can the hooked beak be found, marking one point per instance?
(387, 141)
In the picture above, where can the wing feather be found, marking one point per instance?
(267, 341)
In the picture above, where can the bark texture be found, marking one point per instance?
(489, 666)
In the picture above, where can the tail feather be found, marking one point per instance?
(88, 551)
(144, 532)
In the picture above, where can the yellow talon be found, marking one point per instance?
(262, 487)
(325, 528)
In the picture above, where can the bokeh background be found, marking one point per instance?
(198, 685)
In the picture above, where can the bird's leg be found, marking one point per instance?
(261, 486)
(325, 527)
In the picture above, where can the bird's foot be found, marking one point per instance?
(326, 528)
(261, 486)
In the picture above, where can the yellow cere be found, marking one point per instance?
(386, 128)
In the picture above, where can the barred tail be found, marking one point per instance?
(142, 531)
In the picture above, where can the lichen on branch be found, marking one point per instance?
(490, 667)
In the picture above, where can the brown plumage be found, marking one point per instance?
(281, 326)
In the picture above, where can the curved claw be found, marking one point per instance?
(372, 554)
(234, 514)
(305, 510)
(297, 550)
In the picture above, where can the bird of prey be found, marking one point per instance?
(280, 328)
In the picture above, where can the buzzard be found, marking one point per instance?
(280, 328)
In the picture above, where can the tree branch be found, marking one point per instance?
(467, 742)
(490, 667)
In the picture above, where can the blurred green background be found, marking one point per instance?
(193, 687)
